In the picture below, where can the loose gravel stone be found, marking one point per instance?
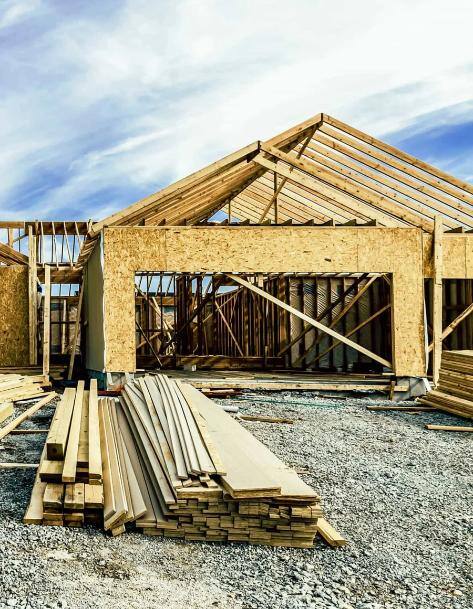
(400, 494)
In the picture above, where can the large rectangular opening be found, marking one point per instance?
(213, 322)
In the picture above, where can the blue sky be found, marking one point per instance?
(104, 103)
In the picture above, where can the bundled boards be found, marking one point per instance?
(454, 392)
(165, 457)
(68, 489)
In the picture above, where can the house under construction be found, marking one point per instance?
(322, 251)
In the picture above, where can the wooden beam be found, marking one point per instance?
(32, 298)
(449, 428)
(76, 333)
(437, 299)
(309, 320)
(46, 320)
(12, 256)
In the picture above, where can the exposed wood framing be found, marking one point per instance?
(437, 298)
(32, 298)
(311, 321)
(46, 321)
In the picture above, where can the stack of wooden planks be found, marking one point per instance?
(179, 466)
(454, 392)
(16, 387)
(68, 489)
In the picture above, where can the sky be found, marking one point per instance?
(103, 103)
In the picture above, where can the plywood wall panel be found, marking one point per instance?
(264, 249)
(14, 345)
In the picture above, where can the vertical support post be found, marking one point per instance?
(32, 298)
(76, 333)
(437, 299)
(46, 320)
(10, 237)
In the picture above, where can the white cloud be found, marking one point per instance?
(141, 92)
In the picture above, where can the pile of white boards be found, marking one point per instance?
(177, 465)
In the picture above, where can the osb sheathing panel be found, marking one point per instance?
(264, 249)
(14, 346)
(457, 255)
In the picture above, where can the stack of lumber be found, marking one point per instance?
(68, 489)
(16, 387)
(454, 392)
(179, 466)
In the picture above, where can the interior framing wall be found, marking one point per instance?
(403, 252)
(14, 329)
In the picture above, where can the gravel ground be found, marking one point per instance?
(400, 494)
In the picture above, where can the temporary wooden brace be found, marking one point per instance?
(361, 325)
(307, 354)
(452, 325)
(309, 320)
(4, 431)
(76, 333)
(46, 320)
(32, 297)
(437, 299)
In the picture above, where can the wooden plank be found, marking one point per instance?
(18, 465)
(437, 299)
(76, 333)
(331, 536)
(70, 460)
(34, 512)
(109, 498)
(46, 320)
(59, 429)
(449, 428)
(6, 410)
(95, 456)
(311, 321)
(4, 431)
(83, 450)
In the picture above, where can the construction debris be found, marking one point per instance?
(16, 387)
(454, 392)
(4, 431)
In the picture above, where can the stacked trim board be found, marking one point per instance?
(199, 473)
(16, 387)
(454, 392)
(68, 489)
